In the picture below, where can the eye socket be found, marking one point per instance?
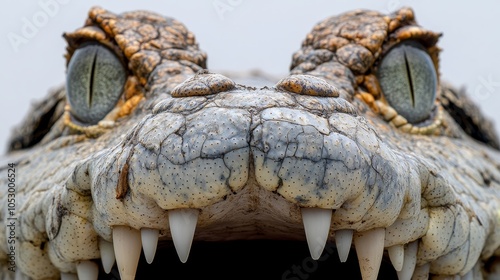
(408, 80)
(94, 82)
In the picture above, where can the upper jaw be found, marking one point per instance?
(247, 168)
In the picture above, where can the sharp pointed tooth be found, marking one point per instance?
(396, 254)
(343, 241)
(127, 245)
(107, 255)
(370, 249)
(149, 239)
(87, 270)
(68, 276)
(317, 226)
(410, 260)
(182, 226)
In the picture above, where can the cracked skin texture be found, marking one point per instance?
(248, 158)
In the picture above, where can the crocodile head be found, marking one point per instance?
(144, 150)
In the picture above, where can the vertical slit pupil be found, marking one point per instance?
(408, 73)
(92, 74)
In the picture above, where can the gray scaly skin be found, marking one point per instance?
(250, 158)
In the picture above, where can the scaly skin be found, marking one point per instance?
(250, 158)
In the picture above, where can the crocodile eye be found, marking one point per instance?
(408, 80)
(94, 82)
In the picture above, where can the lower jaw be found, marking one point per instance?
(251, 259)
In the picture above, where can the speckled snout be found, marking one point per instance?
(271, 164)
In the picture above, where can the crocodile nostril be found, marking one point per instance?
(307, 85)
(203, 83)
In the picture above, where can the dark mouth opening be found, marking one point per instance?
(250, 259)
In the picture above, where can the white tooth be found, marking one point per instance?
(421, 272)
(87, 270)
(149, 239)
(370, 249)
(107, 255)
(68, 276)
(396, 254)
(410, 260)
(316, 225)
(127, 245)
(182, 226)
(343, 241)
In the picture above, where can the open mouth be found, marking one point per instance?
(245, 240)
(251, 259)
(253, 234)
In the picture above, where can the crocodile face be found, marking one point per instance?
(361, 161)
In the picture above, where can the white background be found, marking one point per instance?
(248, 35)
